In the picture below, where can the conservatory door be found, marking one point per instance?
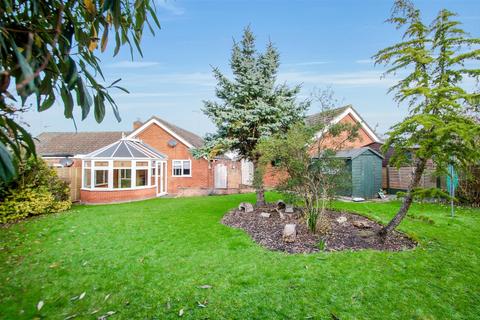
(161, 178)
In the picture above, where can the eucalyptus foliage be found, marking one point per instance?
(49, 51)
(439, 66)
(251, 105)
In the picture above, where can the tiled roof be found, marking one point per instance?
(74, 143)
(325, 116)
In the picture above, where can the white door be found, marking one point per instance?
(161, 178)
(247, 172)
(220, 176)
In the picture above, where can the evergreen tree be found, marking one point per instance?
(441, 124)
(251, 106)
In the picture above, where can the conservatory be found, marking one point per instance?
(125, 170)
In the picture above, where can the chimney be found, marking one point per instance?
(137, 124)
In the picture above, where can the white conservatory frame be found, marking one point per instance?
(156, 168)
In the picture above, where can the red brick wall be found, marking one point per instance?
(201, 180)
(96, 196)
(362, 140)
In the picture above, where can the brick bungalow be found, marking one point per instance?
(155, 159)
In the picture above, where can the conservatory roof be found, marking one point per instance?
(126, 148)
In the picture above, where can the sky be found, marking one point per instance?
(321, 44)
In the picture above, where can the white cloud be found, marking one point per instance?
(308, 63)
(170, 6)
(194, 78)
(351, 79)
(126, 64)
(364, 61)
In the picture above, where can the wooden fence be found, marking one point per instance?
(398, 179)
(73, 176)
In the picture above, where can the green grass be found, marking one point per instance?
(152, 256)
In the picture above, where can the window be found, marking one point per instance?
(141, 177)
(87, 178)
(182, 168)
(122, 178)
(101, 179)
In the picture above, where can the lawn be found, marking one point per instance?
(149, 259)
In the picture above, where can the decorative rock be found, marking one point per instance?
(280, 213)
(361, 224)
(245, 207)
(290, 233)
(342, 219)
(281, 205)
(366, 234)
(288, 208)
(265, 215)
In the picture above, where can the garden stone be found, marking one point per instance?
(341, 219)
(366, 234)
(281, 205)
(281, 214)
(290, 233)
(265, 215)
(361, 224)
(245, 207)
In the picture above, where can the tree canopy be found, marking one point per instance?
(438, 60)
(49, 51)
(250, 106)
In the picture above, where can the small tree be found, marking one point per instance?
(441, 123)
(251, 105)
(313, 174)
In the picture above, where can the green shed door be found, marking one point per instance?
(368, 175)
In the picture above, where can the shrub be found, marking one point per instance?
(36, 190)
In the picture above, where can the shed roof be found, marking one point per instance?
(127, 149)
(353, 153)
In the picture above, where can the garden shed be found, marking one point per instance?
(365, 166)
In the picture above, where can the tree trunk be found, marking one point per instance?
(258, 183)
(260, 195)
(407, 201)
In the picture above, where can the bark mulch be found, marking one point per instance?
(348, 231)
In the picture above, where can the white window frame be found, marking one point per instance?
(181, 162)
(110, 169)
(147, 168)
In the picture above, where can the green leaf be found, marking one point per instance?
(47, 103)
(27, 71)
(121, 88)
(67, 101)
(107, 5)
(99, 107)
(103, 43)
(7, 168)
(83, 98)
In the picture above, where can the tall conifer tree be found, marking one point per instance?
(251, 105)
(441, 124)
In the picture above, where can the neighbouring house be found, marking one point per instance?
(155, 159)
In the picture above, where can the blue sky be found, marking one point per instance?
(322, 43)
